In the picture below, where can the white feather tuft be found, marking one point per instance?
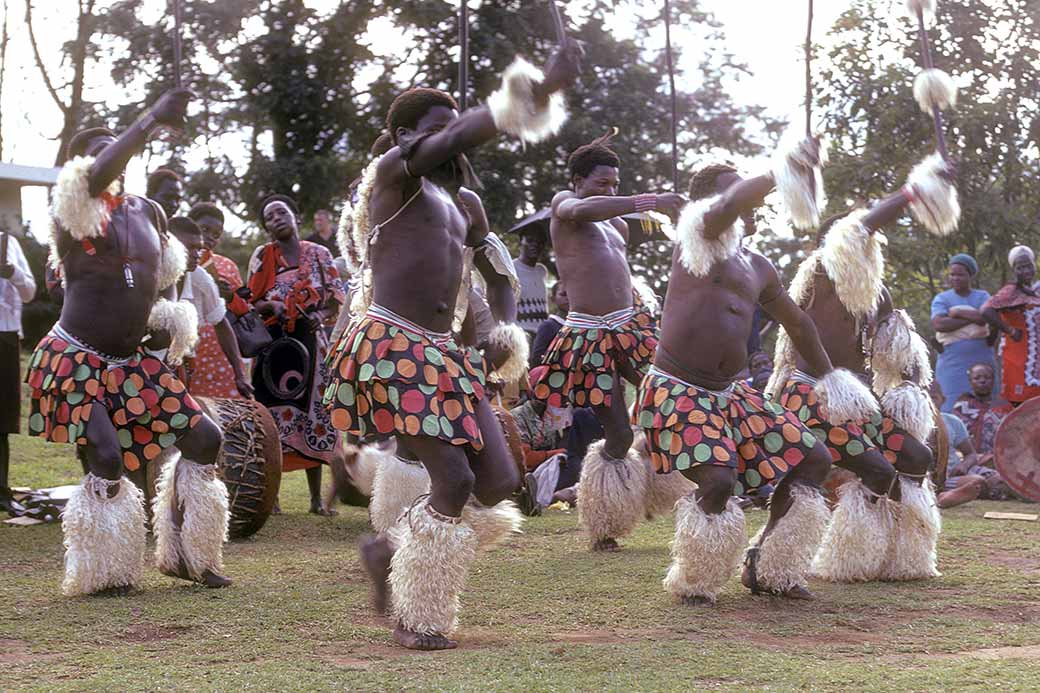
(935, 202)
(899, 354)
(173, 264)
(646, 294)
(697, 253)
(853, 259)
(911, 408)
(804, 196)
(345, 238)
(513, 106)
(509, 337)
(180, 320)
(916, 7)
(935, 88)
(492, 524)
(844, 398)
(706, 549)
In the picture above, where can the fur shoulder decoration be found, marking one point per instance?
(853, 259)
(697, 253)
(174, 262)
(803, 194)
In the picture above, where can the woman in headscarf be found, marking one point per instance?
(294, 286)
(960, 328)
(1015, 311)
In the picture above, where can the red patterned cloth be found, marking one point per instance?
(1020, 375)
(209, 372)
(149, 407)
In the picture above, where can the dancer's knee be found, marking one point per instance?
(874, 471)
(814, 468)
(914, 459)
(202, 444)
(452, 486)
(714, 487)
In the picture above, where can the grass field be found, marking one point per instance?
(539, 613)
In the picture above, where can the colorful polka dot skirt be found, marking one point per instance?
(387, 379)
(847, 441)
(687, 426)
(149, 407)
(578, 368)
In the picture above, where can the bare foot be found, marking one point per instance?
(208, 579)
(318, 508)
(607, 544)
(277, 509)
(422, 641)
(697, 600)
(375, 557)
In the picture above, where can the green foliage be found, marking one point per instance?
(878, 132)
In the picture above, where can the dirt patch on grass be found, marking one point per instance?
(1022, 564)
(17, 652)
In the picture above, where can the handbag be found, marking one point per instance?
(250, 332)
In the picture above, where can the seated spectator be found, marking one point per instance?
(760, 368)
(981, 413)
(549, 327)
(966, 478)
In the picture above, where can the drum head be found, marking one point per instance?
(286, 368)
(1017, 449)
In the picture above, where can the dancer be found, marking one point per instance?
(718, 432)
(96, 386)
(609, 335)
(840, 286)
(401, 373)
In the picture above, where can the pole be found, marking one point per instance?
(671, 86)
(926, 58)
(808, 73)
(463, 54)
(177, 43)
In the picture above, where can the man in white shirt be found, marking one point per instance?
(17, 286)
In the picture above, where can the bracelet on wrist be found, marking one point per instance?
(647, 202)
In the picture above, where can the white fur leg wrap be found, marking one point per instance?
(363, 470)
(663, 490)
(180, 320)
(935, 203)
(706, 549)
(80, 214)
(697, 253)
(104, 537)
(611, 493)
(844, 398)
(898, 354)
(917, 524)
(786, 554)
(345, 238)
(934, 88)
(395, 487)
(513, 106)
(203, 500)
(854, 547)
(492, 524)
(173, 264)
(911, 408)
(510, 338)
(853, 259)
(428, 570)
(803, 194)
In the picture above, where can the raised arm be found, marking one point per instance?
(800, 328)
(170, 111)
(892, 207)
(739, 198)
(568, 207)
(519, 93)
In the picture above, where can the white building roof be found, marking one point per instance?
(28, 175)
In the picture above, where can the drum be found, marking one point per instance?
(512, 434)
(251, 464)
(1016, 451)
(940, 453)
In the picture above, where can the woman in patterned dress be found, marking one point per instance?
(294, 285)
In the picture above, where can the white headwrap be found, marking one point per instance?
(1021, 250)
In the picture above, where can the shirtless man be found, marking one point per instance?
(716, 430)
(400, 371)
(840, 286)
(609, 335)
(96, 386)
